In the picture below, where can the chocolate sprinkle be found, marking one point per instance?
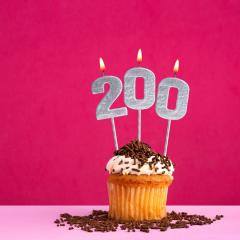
(99, 221)
(135, 169)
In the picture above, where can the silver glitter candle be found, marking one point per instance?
(162, 102)
(103, 109)
(130, 91)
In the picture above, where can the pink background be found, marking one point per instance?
(34, 222)
(52, 148)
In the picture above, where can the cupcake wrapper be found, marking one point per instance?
(137, 202)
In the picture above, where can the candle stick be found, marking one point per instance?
(162, 101)
(167, 137)
(130, 89)
(103, 109)
(114, 133)
(139, 124)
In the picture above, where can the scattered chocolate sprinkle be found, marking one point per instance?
(120, 162)
(218, 217)
(126, 162)
(99, 221)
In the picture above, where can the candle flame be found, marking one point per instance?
(176, 67)
(139, 56)
(102, 65)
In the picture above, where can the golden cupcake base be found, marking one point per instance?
(142, 197)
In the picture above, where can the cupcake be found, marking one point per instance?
(138, 183)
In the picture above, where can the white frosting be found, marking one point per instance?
(127, 165)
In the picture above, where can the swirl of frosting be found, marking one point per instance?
(125, 165)
(138, 158)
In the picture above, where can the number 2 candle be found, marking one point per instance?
(103, 108)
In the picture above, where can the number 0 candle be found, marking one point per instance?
(130, 89)
(162, 101)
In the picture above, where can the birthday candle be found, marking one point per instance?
(103, 109)
(130, 89)
(162, 109)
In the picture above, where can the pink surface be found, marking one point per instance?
(36, 222)
(52, 148)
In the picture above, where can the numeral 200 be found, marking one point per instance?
(104, 110)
